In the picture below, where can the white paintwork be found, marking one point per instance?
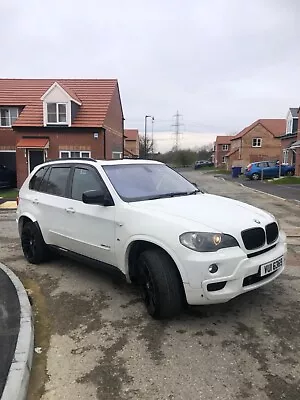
(106, 233)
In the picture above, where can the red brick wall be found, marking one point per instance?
(7, 139)
(73, 139)
(220, 154)
(114, 126)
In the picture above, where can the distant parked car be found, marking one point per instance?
(7, 177)
(269, 169)
(203, 163)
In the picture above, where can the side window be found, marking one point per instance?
(57, 181)
(37, 178)
(84, 179)
(43, 186)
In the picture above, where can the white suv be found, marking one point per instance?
(179, 244)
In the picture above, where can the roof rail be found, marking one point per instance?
(73, 158)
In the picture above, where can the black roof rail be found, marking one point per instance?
(73, 158)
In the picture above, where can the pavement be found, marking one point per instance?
(96, 341)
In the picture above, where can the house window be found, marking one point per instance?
(8, 115)
(256, 142)
(289, 126)
(225, 147)
(223, 160)
(285, 156)
(116, 155)
(57, 113)
(74, 154)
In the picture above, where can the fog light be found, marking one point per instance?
(213, 268)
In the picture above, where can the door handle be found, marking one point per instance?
(70, 210)
(35, 201)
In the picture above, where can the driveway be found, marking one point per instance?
(97, 342)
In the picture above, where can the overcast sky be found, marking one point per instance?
(221, 63)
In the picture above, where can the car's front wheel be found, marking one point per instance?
(255, 176)
(162, 290)
(34, 248)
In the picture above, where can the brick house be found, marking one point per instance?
(222, 146)
(258, 141)
(132, 144)
(44, 119)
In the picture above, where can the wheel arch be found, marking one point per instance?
(26, 217)
(140, 244)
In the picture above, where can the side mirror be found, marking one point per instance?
(96, 197)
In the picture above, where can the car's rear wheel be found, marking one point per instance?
(34, 248)
(162, 290)
(255, 176)
(290, 173)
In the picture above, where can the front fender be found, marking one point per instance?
(123, 262)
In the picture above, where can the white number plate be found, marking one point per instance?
(270, 267)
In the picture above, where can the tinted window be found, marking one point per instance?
(36, 180)
(58, 179)
(43, 185)
(84, 179)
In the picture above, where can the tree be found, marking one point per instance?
(149, 146)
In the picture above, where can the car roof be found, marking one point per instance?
(90, 161)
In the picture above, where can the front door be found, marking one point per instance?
(89, 228)
(35, 157)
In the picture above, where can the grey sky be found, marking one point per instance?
(221, 63)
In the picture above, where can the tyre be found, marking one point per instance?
(290, 173)
(34, 248)
(160, 283)
(255, 176)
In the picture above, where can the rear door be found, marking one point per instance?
(90, 227)
(51, 202)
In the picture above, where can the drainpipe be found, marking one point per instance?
(104, 143)
(123, 138)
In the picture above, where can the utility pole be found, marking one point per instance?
(177, 126)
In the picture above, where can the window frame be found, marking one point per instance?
(9, 116)
(257, 139)
(77, 151)
(225, 147)
(223, 160)
(57, 113)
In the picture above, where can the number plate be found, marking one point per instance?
(270, 267)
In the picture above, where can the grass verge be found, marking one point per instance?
(287, 180)
(8, 193)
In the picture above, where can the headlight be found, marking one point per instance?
(206, 241)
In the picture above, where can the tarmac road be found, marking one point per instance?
(98, 342)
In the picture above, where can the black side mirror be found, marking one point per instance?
(96, 197)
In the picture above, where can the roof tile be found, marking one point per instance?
(94, 94)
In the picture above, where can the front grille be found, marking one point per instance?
(252, 279)
(272, 232)
(254, 238)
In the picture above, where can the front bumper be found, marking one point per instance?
(234, 267)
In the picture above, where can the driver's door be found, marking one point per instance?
(91, 227)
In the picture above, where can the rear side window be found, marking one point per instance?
(58, 180)
(83, 180)
(37, 178)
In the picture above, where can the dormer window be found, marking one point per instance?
(289, 126)
(56, 113)
(8, 115)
